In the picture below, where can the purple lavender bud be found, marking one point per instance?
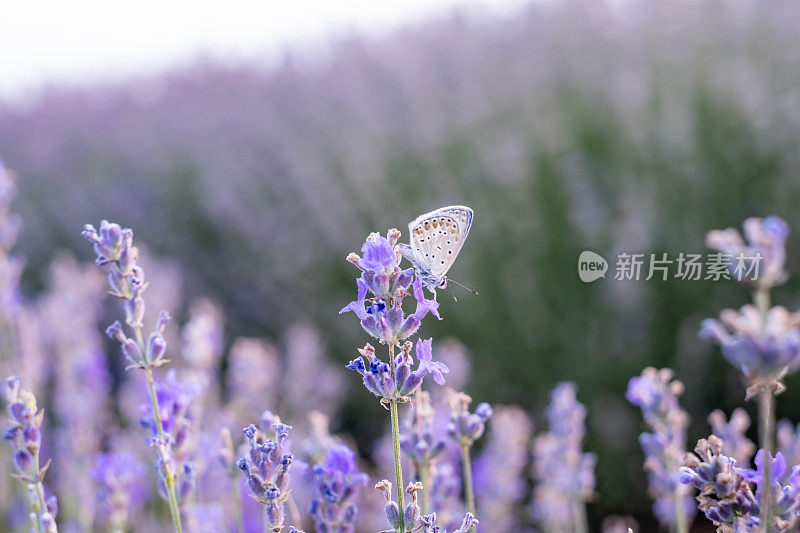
(52, 505)
(377, 254)
(18, 412)
(32, 438)
(250, 433)
(357, 364)
(11, 389)
(411, 383)
(274, 513)
(11, 433)
(484, 411)
(90, 233)
(156, 347)
(114, 331)
(134, 311)
(164, 319)
(23, 461)
(243, 466)
(131, 350)
(392, 512)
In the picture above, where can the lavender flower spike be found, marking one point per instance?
(760, 261)
(763, 346)
(24, 434)
(382, 315)
(121, 487)
(465, 428)
(732, 433)
(337, 481)
(118, 257)
(656, 395)
(565, 474)
(267, 470)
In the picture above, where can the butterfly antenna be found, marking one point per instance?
(453, 293)
(473, 291)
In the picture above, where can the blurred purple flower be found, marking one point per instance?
(656, 395)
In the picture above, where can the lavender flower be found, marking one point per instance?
(82, 384)
(656, 395)
(116, 254)
(500, 470)
(465, 427)
(267, 468)
(429, 524)
(725, 497)
(766, 241)
(337, 480)
(416, 439)
(382, 276)
(788, 441)
(396, 381)
(25, 436)
(411, 513)
(732, 433)
(564, 474)
(175, 446)
(763, 346)
(121, 487)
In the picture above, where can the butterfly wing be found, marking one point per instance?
(437, 237)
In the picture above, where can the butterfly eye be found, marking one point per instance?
(443, 284)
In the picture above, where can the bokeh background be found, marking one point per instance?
(612, 126)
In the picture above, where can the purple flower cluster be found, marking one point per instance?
(465, 427)
(397, 381)
(732, 433)
(656, 395)
(416, 439)
(429, 524)
(267, 467)
(726, 495)
(175, 400)
(337, 481)
(411, 513)
(500, 470)
(382, 277)
(766, 243)
(563, 472)
(760, 346)
(25, 436)
(121, 481)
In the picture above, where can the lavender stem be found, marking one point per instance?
(425, 478)
(680, 515)
(169, 479)
(766, 417)
(398, 468)
(469, 493)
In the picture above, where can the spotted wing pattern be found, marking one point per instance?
(437, 237)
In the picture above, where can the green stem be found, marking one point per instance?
(237, 505)
(425, 479)
(680, 525)
(469, 494)
(398, 468)
(766, 417)
(169, 477)
(766, 414)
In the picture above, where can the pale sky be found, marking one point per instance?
(84, 41)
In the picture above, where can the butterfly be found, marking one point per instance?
(435, 239)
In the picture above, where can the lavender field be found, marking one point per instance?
(210, 358)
